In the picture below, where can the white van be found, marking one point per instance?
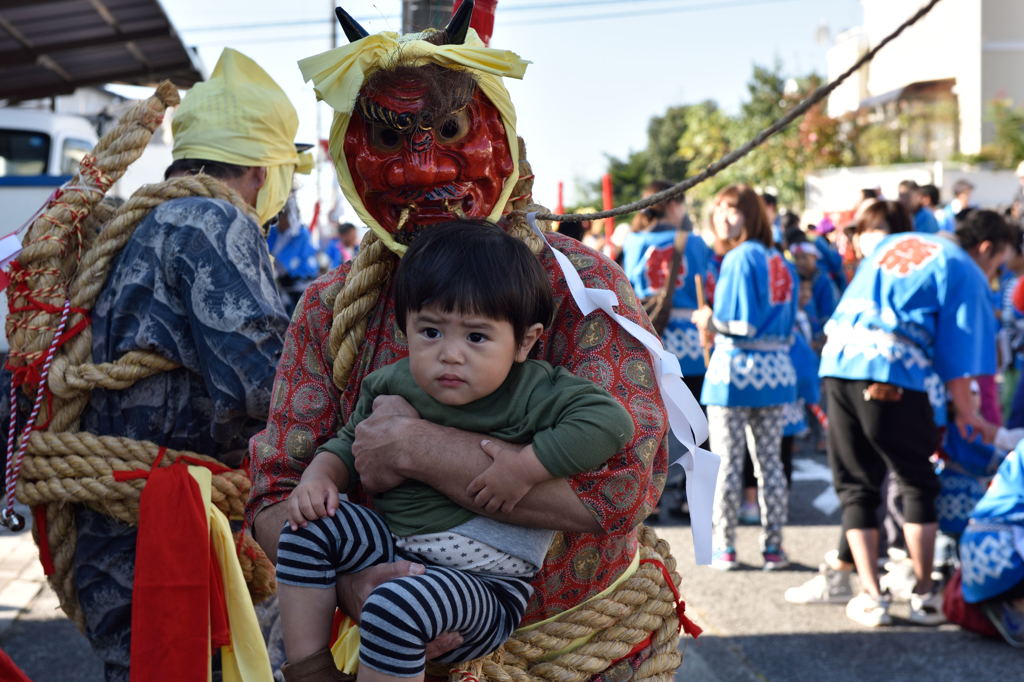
(39, 151)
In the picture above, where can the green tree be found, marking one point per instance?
(779, 161)
(706, 139)
(629, 177)
(687, 138)
(1007, 146)
(663, 132)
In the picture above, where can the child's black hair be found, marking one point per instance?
(977, 226)
(473, 267)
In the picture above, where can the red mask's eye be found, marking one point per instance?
(385, 138)
(453, 128)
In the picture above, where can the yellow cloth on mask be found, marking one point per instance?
(245, 660)
(338, 75)
(241, 116)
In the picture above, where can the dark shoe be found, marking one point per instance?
(1008, 620)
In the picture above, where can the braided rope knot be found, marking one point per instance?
(67, 380)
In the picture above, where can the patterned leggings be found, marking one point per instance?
(402, 615)
(760, 429)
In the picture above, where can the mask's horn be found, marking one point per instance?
(458, 27)
(353, 31)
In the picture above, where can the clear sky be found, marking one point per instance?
(601, 68)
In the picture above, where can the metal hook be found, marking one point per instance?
(12, 520)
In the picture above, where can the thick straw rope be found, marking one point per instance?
(642, 605)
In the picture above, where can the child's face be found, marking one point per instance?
(806, 264)
(805, 293)
(457, 358)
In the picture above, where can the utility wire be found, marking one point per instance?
(503, 9)
(539, 21)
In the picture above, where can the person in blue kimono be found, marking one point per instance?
(823, 292)
(917, 312)
(750, 377)
(295, 257)
(831, 260)
(966, 469)
(805, 363)
(646, 259)
(992, 551)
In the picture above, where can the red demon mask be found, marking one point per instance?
(439, 165)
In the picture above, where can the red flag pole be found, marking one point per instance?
(560, 204)
(609, 223)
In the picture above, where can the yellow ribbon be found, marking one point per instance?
(245, 659)
(338, 75)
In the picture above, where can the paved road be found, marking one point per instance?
(751, 633)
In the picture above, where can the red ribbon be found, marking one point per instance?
(178, 602)
(685, 623)
(45, 557)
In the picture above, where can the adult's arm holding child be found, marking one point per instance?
(582, 426)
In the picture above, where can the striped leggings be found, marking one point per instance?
(401, 615)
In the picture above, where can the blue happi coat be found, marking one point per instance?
(964, 474)
(992, 546)
(754, 312)
(915, 315)
(646, 259)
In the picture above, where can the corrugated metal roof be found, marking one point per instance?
(51, 47)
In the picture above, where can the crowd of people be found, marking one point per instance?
(891, 336)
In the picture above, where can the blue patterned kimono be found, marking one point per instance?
(194, 284)
(646, 258)
(915, 315)
(753, 314)
(992, 546)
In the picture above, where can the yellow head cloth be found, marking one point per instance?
(241, 116)
(338, 75)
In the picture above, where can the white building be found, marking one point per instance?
(938, 78)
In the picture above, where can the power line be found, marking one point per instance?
(503, 9)
(707, 6)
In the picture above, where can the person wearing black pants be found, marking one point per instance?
(915, 317)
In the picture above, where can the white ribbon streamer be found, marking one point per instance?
(689, 425)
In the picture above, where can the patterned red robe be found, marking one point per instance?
(304, 412)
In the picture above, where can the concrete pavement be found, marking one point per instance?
(750, 633)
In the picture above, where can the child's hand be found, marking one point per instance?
(498, 488)
(312, 499)
(513, 472)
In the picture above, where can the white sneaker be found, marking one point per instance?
(869, 611)
(828, 587)
(926, 609)
(898, 580)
